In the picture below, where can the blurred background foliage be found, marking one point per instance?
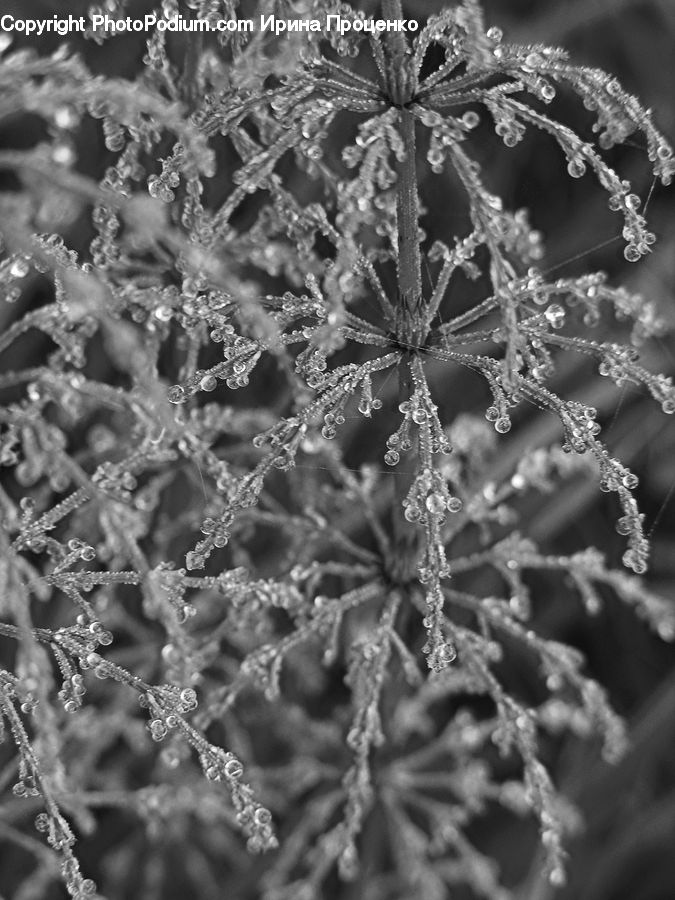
(625, 851)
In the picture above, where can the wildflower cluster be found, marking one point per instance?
(228, 564)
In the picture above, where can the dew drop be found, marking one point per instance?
(163, 313)
(555, 315)
(19, 268)
(208, 383)
(623, 526)
(176, 394)
(234, 769)
(576, 167)
(435, 503)
(557, 877)
(412, 513)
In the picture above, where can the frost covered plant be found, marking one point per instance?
(232, 484)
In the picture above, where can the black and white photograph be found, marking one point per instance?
(337, 450)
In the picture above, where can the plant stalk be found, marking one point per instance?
(407, 212)
(409, 282)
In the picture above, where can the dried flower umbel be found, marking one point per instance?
(112, 469)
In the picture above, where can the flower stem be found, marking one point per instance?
(409, 266)
(407, 210)
(409, 281)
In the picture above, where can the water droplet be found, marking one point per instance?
(555, 315)
(576, 167)
(262, 816)
(65, 117)
(42, 822)
(19, 268)
(557, 877)
(435, 503)
(234, 769)
(435, 157)
(194, 560)
(412, 513)
(163, 313)
(176, 394)
(666, 630)
(63, 154)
